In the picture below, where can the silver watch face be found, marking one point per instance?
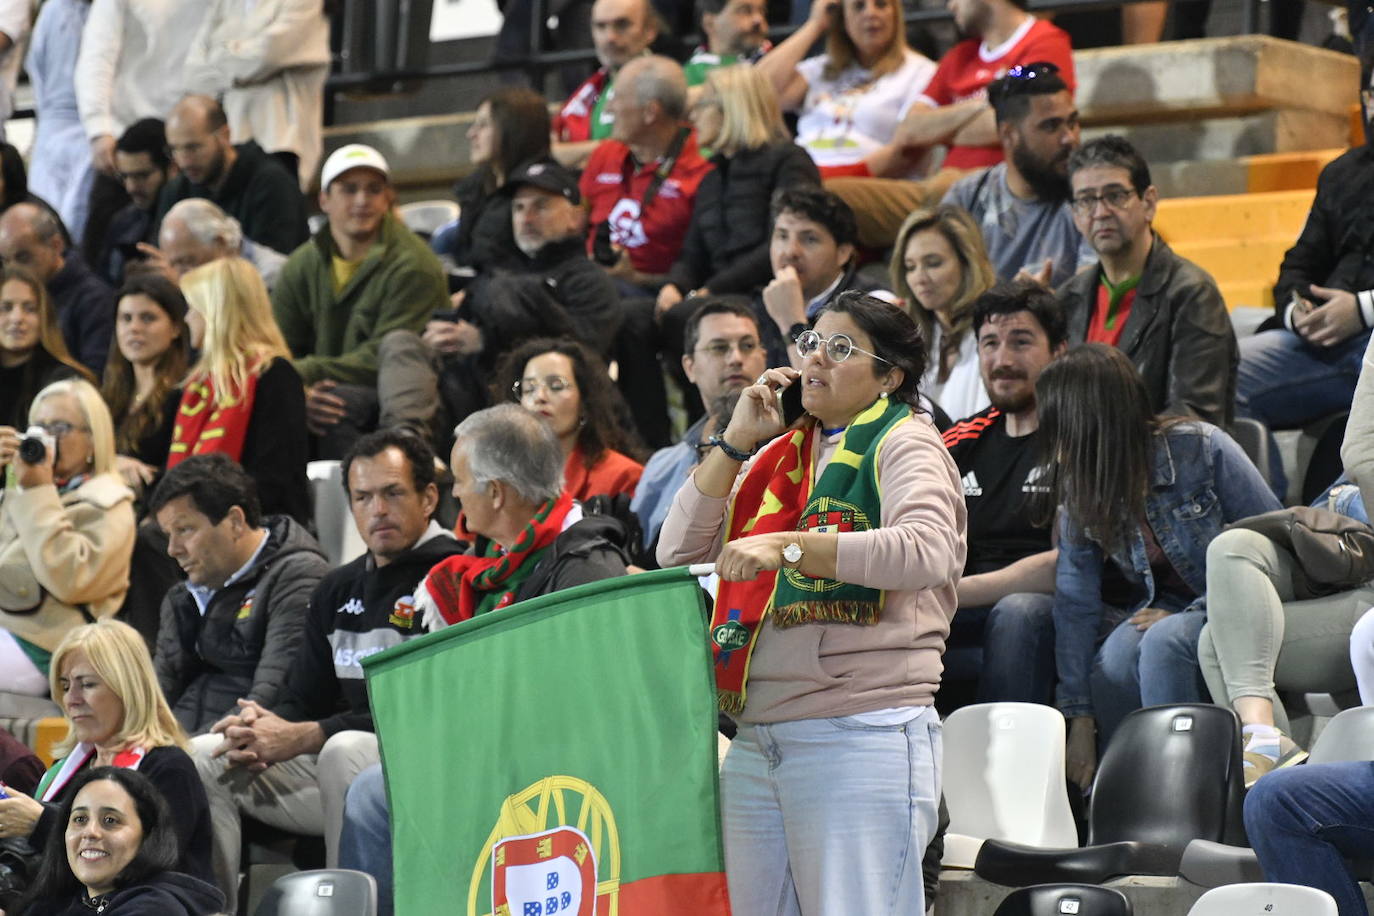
(792, 553)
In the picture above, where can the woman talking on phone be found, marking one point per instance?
(839, 543)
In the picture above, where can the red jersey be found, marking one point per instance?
(573, 123)
(968, 67)
(613, 189)
(1109, 321)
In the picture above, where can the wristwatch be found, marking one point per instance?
(792, 554)
(797, 330)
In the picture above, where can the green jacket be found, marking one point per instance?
(399, 285)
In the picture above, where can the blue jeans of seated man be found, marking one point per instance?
(1134, 669)
(365, 844)
(1018, 651)
(1305, 822)
(1285, 382)
(827, 816)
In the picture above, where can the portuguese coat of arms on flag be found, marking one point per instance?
(557, 757)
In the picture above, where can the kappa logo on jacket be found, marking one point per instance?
(353, 606)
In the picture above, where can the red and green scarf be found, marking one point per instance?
(208, 424)
(779, 494)
(467, 585)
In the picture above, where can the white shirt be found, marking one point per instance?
(962, 394)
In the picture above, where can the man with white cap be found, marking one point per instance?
(343, 293)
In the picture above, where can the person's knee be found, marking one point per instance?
(366, 797)
(347, 753)
(1023, 609)
(1274, 801)
(202, 749)
(400, 342)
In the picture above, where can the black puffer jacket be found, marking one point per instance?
(726, 248)
(167, 893)
(247, 640)
(590, 550)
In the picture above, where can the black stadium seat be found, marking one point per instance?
(1057, 899)
(1171, 774)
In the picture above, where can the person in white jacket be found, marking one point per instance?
(60, 169)
(16, 18)
(266, 60)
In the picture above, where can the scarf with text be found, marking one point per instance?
(778, 494)
(206, 423)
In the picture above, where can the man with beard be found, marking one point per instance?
(721, 354)
(1161, 310)
(1022, 204)
(736, 31)
(247, 183)
(1007, 591)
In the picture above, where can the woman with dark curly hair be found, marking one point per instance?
(568, 385)
(116, 854)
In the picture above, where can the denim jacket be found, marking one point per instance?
(1201, 481)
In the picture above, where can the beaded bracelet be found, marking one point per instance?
(729, 450)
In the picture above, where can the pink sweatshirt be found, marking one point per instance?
(830, 669)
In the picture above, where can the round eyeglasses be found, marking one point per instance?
(838, 347)
(528, 388)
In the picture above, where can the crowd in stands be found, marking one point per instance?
(916, 373)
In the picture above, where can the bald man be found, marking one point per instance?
(32, 238)
(245, 182)
(622, 30)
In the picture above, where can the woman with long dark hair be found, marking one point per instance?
(510, 128)
(1147, 494)
(838, 543)
(33, 353)
(568, 385)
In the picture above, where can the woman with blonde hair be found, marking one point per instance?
(116, 716)
(851, 99)
(32, 350)
(939, 268)
(726, 248)
(243, 398)
(66, 530)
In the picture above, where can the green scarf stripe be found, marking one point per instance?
(495, 575)
(848, 487)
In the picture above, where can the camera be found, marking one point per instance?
(36, 444)
(603, 252)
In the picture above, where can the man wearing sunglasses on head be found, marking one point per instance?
(1161, 310)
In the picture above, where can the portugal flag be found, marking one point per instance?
(557, 757)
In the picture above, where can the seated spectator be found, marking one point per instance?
(1147, 494)
(62, 171)
(735, 32)
(66, 532)
(1022, 204)
(247, 183)
(812, 254)
(144, 375)
(363, 275)
(531, 539)
(566, 384)
(1305, 365)
(1007, 591)
(32, 351)
(510, 129)
(1308, 823)
(640, 184)
(195, 232)
(939, 268)
(267, 64)
(233, 628)
(1264, 632)
(726, 248)
(20, 767)
(1161, 310)
(290, 766)
(116, 717)
(621, 31)
(850, 100)
(143, 166)
(120, 815)
(31, 237)
(721, 355)
(243, 398)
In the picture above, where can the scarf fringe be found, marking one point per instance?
(730, 701)
(862, 613)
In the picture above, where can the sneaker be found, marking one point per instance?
(1258, 764)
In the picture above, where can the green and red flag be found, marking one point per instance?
(557, 757)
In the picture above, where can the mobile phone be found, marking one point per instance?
(792, 408)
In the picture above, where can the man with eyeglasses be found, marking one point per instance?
(1020, 204)
(1161, 310)
(143, 166)
(722, 355)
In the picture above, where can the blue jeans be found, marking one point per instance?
(365, 844)
(1156, 667)
(1305, 822)
(1018, 651)
(1285, 382)
(830, 815)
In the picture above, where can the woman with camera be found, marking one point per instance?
(32, 351)
(838, 542)
(66, 529)
(116, 853)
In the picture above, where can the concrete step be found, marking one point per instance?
(1227, 137)
(1292, 171)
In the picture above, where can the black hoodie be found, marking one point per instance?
(167, 893)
